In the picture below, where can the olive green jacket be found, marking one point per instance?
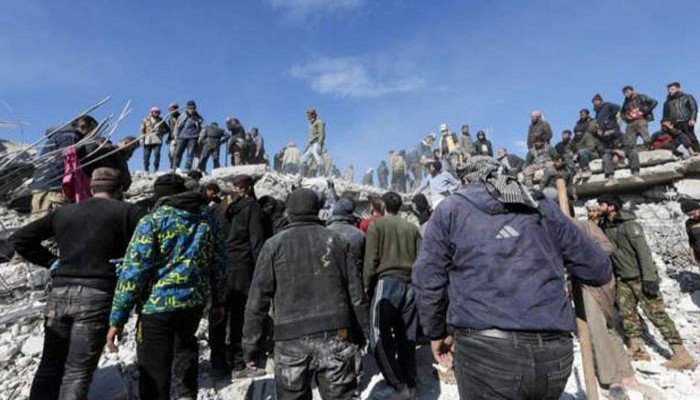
(632, 257)
(317, 132)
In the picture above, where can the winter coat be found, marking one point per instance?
(632, 257)
(606, 116)
(213, 135)
(681, 107)
(48, 175)
(382, 171)
(639, 107)
(108, 156)
(441, 186)
(566, 147)
(540, 156)
(610, 140)
(307, 272)
(317, 132)
(346, 226)
(153, 130)
(398, 163)
(586, 141)
(174, 261)
(449, 144)
(466, 144)
(483, 264)
(188, 127)
(587, 125)
(513, 164)
(483, 148)
(291, 157)
(245, 239)
(539, 130)
(391, 248)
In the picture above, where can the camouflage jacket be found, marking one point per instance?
(175, 260)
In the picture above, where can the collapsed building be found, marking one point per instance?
(654, 200)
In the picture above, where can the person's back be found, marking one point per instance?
(397, 248)
(492, 268)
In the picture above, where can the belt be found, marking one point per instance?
(341, 334)
(505, 335)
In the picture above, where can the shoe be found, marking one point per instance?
(636, 177)
(609, 182)
(246, 373)
(585, 174)
(636, 351)
(681, 359)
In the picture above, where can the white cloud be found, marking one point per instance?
(358, 76)
(301, 9)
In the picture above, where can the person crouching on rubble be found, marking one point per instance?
(174, 262)
(89, 235)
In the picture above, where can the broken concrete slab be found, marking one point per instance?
(624, 182)
(688, 188)
(646, 159)
(33, 346)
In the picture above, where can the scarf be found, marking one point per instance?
(504, 188)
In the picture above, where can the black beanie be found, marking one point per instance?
(688, 205)
(168, 185)
(303, 202)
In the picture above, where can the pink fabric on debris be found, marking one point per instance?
(75, 185)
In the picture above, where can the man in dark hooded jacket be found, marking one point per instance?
(498, 281)
(606, 114)
(682, 109)
(306, 271)
(245, 239)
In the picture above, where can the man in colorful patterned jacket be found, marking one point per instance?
(175, 261)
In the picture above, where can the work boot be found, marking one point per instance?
(636, 351)
(681, 359)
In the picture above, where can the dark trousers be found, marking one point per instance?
(166, 342)
(212, 150)
(585, 157)
(609, 166)
(76, 323)
(189, 145)
(393, 331)
(398, 181)
(524, 366)
(147, 150)
(690, 132)
(323, 358)
(225, 355)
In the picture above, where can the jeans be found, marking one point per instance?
(147, 150)
(524, 366)
(185, 144)
(76, 323)
(393, 331)
(585, 157)
(166, 342)
(690, 132)
(323, 358)
(609, 166)
(224, 355)
(212, 150)
(314, 151)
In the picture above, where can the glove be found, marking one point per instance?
(650, 288)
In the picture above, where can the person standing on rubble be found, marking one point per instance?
(46, 185)
(173, 264)
(90, 236)
(152, 131)
(186, 133)
(499, 283)
(398, 172)
(441, 183)
(173, 115)
(244, 242)
(638, 284)
(691, 208)
(317, 138)
(306, 267)
(291, 160)
(237, 146)
(391, 248)
(637, 110)
(483, 146)
(539, 130)
(383, 175)
(211, 138)
(682, 109)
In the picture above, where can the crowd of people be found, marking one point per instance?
(481, 278)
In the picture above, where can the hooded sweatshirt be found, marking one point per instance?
(175, 260)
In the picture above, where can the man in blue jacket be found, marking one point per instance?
(491, 267)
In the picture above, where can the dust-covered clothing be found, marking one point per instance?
(630, 294)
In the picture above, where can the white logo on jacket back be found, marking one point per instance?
(507, 232)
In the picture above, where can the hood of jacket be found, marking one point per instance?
(190, 202)
(624, 216)
(477, 194)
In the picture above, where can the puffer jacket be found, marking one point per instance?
(174, 261)
(484, 264)
(153, 130)
(632, 258)
(681, 107)
(306, 272)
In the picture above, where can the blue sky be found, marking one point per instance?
(382, 73)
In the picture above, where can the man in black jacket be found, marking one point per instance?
(606, 114)
(637, 111)
(306, 272)
(682, 109)
(89, 236)
(245, 239)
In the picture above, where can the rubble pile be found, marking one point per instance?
(22, 299)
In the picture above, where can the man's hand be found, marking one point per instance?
(691, 122)
(650, 288)
(113, 335)
(442, 351)
(251, 365)
(216, 316)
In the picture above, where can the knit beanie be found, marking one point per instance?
(242, 181)
(168, 185)
(344, 206)
(303, 202)
(105, 179)
(597, 97)
(688, 205)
